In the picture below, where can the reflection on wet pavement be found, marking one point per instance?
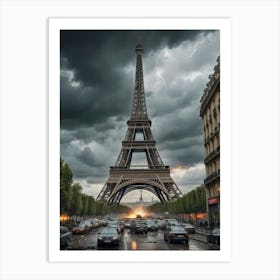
(151, 241)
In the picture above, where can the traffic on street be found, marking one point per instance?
(139, 233)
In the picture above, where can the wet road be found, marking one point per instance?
(150, 241)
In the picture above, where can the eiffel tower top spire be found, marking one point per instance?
(139, 109)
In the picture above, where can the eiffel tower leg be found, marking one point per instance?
(159, 195)
(116, 198)
(112, 200)
(120, 195)
(173, 188)
(105, 190)
(166, 198)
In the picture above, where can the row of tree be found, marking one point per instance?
(73, 202)
(192, 202)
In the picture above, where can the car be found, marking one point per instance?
(121, 225)
(138, 227)
(65, 235)
(188, 227)
(103, 222)
(127, 224)
(160, 224)
(83, 227)
(214, 236)
(95, 223)
(176, 233)
(109, 236)
(151, 225)
(114, 224)
(170, 222)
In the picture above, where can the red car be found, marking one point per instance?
(83, 228)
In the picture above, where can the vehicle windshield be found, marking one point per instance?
(140, 224)
(113, 223)
(84, 223)
(178, 229)
(109, 230)
(81, 225)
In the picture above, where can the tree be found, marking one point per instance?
(91, 206)
(66, 180)
(191, 202)
(85, 201)
(76, 202)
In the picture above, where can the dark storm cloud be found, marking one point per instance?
(97, 82)
(84, 106)
(89, 158)
(95, 60)
(90, 51)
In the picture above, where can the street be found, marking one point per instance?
(153, 240)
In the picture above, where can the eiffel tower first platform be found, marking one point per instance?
(155, 177)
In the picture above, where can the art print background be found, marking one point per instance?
(255, 42)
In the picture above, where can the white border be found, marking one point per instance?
(55, 25)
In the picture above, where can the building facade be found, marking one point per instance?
(210, 114)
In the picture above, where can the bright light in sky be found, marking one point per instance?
(179, 171)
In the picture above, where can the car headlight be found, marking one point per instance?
(115, 237)
(100, 238)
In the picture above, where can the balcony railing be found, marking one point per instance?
(212, 155)
(215, 175)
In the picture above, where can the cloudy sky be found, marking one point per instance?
(97, 78)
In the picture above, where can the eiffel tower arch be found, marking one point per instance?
(124, 177)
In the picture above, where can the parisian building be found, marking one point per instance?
(210, 115)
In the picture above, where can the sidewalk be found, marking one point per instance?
(202, 230)
(199, 237)
(200, 234)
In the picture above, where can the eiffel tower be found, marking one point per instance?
(124, 177)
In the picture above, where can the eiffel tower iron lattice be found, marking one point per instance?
(124, 177)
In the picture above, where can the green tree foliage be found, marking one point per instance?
(192, 202)
(85, 203)
(118, 208)
(66, 181)
(75, 203)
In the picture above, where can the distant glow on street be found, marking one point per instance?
(64, 218)
(133, 245)
(138, 211)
